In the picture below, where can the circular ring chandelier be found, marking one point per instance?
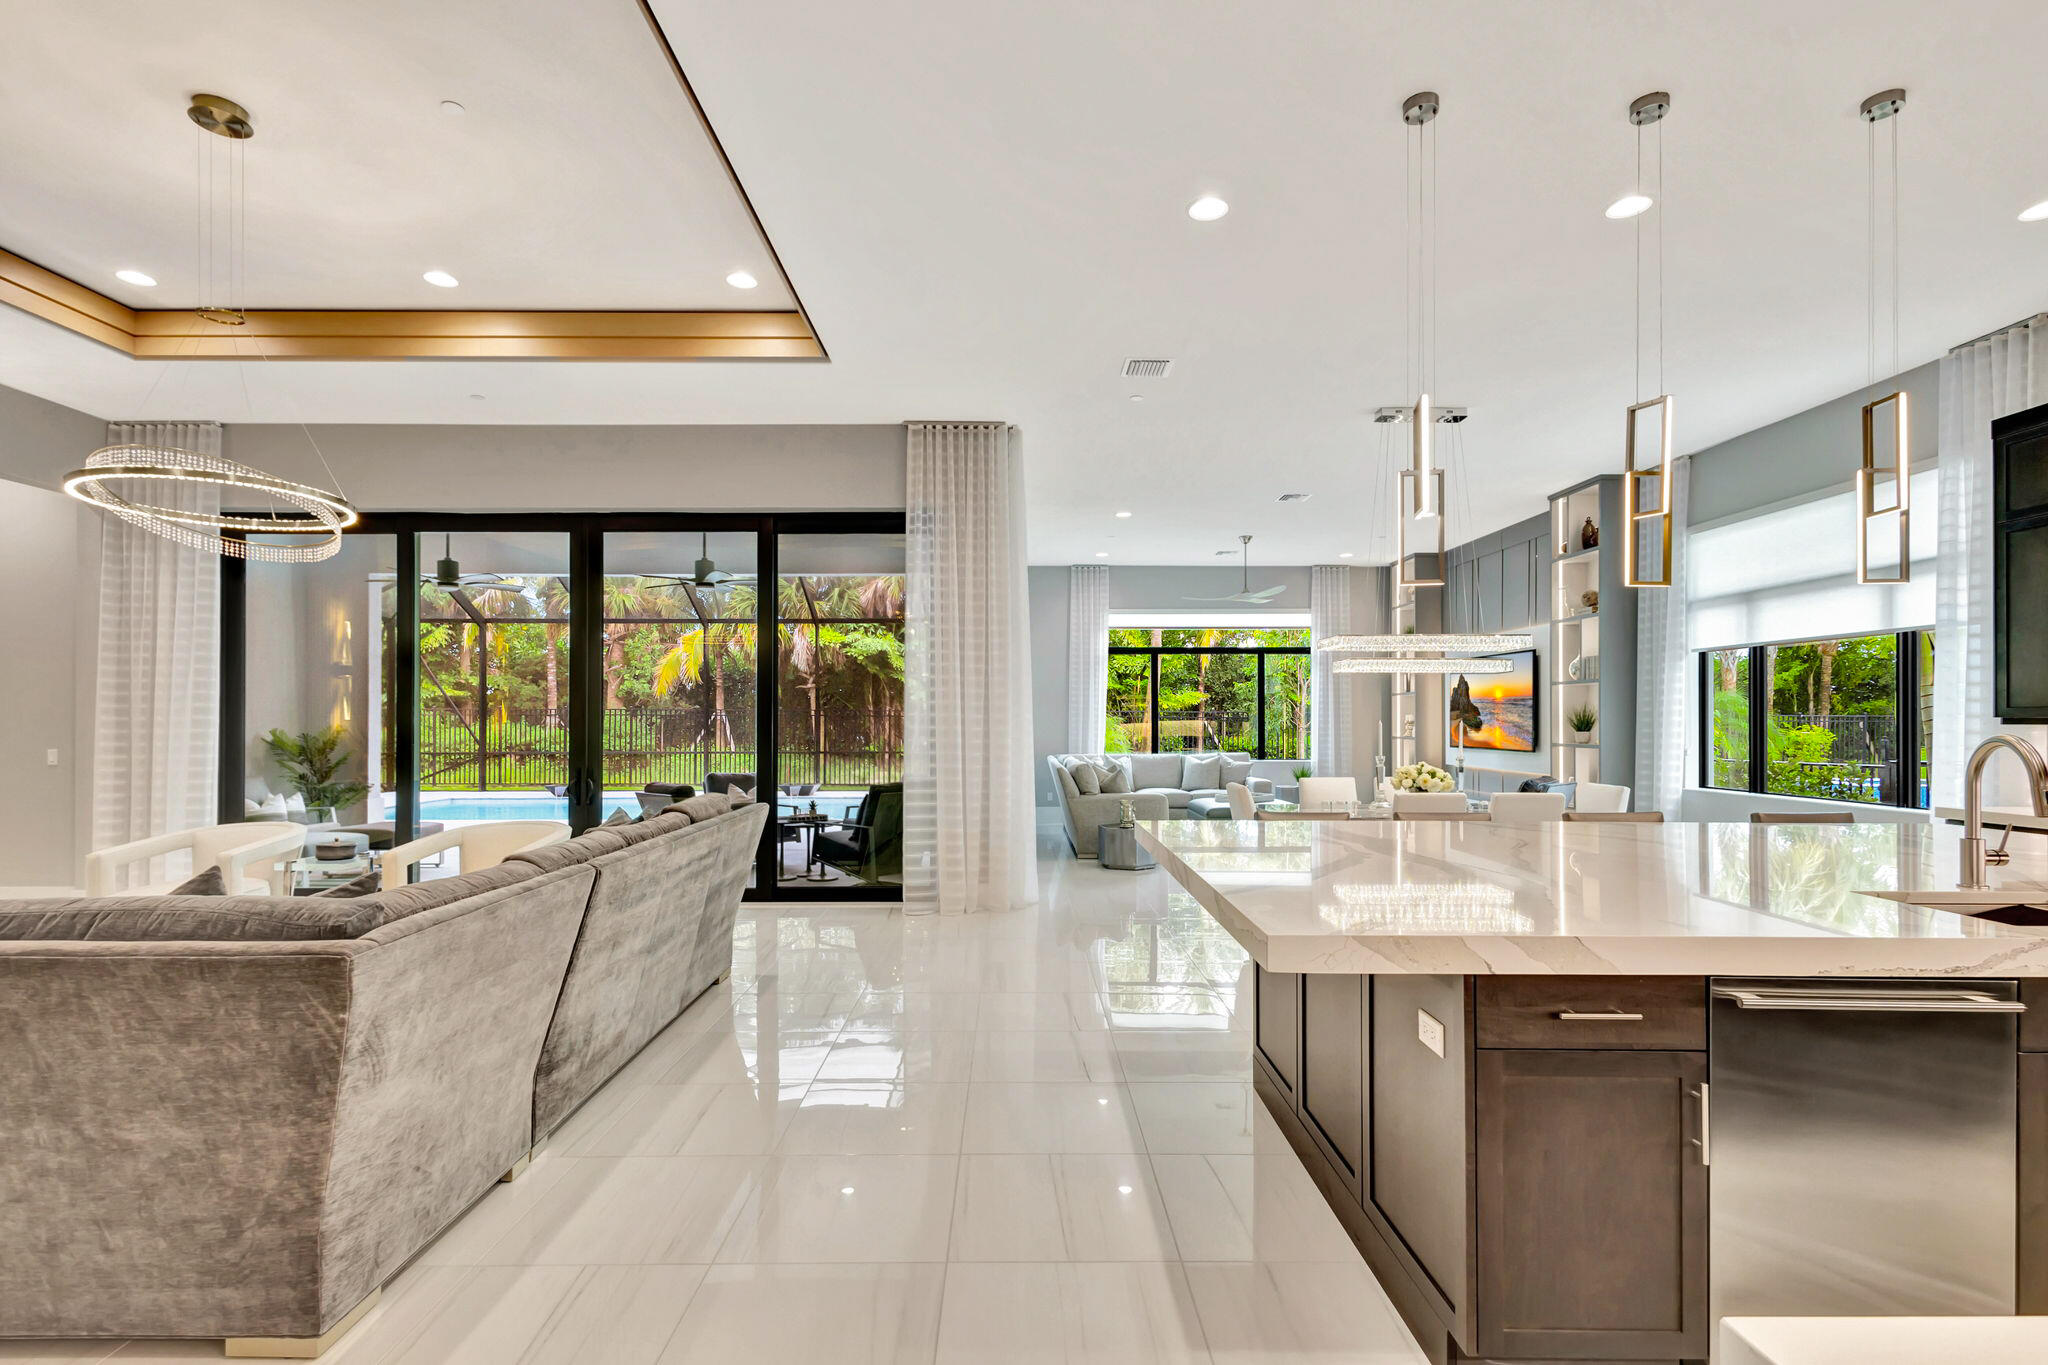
(1433, 664)
(1442, 644)
(120, 480)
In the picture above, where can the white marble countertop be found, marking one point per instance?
(1883, 1341)
(1998, 817)
(1562, 898)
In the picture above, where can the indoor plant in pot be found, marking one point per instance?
(1582, 718)
(313, 761)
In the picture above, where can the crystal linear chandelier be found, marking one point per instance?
(1427, 664)
(134, 481)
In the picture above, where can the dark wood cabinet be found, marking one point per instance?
(1420, 1164)
(1662, 1013)
(1592, 1205)
(1333, 1069)
(1277, 1027)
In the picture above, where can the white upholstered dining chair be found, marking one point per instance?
(1526, 807)
(1417, 803)
(1322, 792)
(1242, 807)
(1602, 796)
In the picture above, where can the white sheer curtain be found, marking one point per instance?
(1087, 656)
(1664, 669)
(968, 818)
(1980, 381)
(156, 711)
(1330, 694)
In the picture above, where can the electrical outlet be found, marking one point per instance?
(50, 757)
(1430, 1031)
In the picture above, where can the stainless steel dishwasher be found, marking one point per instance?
(1862, 1150)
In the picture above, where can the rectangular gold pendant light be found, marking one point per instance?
(1899, 470)
(1402, 577)
(1646, 494)
(1420, 466)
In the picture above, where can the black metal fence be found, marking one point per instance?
(528, 749)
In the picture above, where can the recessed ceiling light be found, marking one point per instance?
(740, 279)
(1137, 398)
(1629, 205)
(441, 278)
(1102, 554)
(1123, 514)
(846, 1189)
(1123, 1189)
(476, 395)
(1344, 554)
(451, 107)
(137, 277)
(1207, 209)
(2036, 213)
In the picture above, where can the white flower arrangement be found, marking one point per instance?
(1422, 777)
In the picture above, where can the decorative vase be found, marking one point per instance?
(1127, 815)
(1589, 535)
(1582, 736)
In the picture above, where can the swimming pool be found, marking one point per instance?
(455, 808)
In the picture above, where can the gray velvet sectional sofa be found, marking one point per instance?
(238, 1116)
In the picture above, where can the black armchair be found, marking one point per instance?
(870, 846)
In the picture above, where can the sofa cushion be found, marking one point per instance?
(1233, 769)
(640, 831)
(1201, 772)
(706, 805)
(1153, 771)
(1177, 798)
(369, 884)
(1093, 778)
(570, 852)
(1117, 779)
(1066, 780)
(206, 883)
(179, 919)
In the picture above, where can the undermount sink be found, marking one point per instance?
(2019, 904)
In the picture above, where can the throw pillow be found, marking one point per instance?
(618, 817)
(295, 805)
(369, 884)
(1116, 780)
(273, 807)
(1199, 772)
(251, 806)
(1234, 770)
(1087, 777)
(207, 883)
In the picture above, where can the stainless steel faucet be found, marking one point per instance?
(1975, 856)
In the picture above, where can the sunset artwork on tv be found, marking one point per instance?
(1496, 710)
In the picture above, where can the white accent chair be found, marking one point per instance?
(247, 853)
(1526, 807)
(1323, 792)
(478, 846)
(1602, 796)
(1438, 803)
(1242, 807)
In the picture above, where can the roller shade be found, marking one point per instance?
(1790, 574)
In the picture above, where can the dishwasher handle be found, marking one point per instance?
(1867, 999)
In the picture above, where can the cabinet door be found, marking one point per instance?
(1592, 1205)
(1279, 1026)
(1333, 1067)
(2033, 1269)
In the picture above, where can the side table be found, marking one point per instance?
(1120, 849)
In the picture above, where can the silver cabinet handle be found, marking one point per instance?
(1599, 1016)
(1705, 1141)
(1868, 1000)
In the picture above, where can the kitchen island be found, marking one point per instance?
(1576, 1090)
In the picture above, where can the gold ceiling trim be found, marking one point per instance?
(359, 334)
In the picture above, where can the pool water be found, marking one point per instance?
(463, 807)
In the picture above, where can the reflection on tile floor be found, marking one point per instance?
(1015, 1138)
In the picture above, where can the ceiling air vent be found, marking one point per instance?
(1149, 369)
(1296, 497)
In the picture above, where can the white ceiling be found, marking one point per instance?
(983, 209)
(577, 176)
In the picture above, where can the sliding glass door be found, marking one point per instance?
(567, 667)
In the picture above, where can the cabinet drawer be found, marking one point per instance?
(1581, 1012)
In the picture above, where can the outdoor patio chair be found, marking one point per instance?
(870, 846)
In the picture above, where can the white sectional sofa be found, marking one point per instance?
(1158, 786)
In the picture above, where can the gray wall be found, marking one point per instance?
(1501, 582)
(1140, 587)
(1807, 453)
(49, 557)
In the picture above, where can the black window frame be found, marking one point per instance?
(1906, 683)
(1259, 720)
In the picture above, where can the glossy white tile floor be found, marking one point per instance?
(1022, 1138)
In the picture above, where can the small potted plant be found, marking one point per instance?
(1422, 777)
(1582, 719)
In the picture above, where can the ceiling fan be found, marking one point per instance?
(705, 573)
(1247, 593)
(448, 574)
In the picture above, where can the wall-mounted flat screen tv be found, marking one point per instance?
(1496, 710)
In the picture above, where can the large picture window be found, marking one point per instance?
(1184, 690)
(1839, 719)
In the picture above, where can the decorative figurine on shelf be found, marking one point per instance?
(1589, 535)
(1126, 814)
(1422, 777)
(1571, 670)
(1590, 599)
(1582, 719)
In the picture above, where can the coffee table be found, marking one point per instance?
(311, 875)
(809, 825)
